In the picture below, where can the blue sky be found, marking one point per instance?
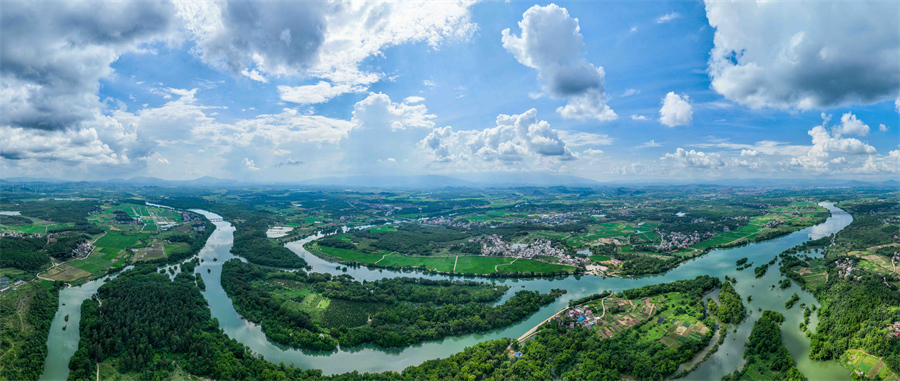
(290, 91)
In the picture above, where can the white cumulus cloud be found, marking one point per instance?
(803, 55)
(551, 42)
(694, 159)
(851, 126)
(676, 110)
(516, 138)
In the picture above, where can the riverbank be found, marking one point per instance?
(373, 359)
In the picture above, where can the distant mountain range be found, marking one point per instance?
(475, 180)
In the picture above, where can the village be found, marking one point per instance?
(676, 241)
(493, 245)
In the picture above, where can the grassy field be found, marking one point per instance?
(350, 255)
(443, 264)
(36, 227)
(116, 240)
(464, 265)
(87, 266)
(66, 273)
(154, 251)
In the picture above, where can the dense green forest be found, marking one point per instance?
(767, 358)
(57, 211)
(24, 253)
(731, 309)
(148, 325)
(643, 265)
(401, 311)
(854, 315)
(26, 314)
(693, 288)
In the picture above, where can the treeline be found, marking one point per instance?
(64, 245)
(694, 288)
(58, 211)
(420, 240)
(149, 325)
(79, 227)
(414, 310)
(767, 358)
(412, 239)
(866, 231)
(26, 315)
(643, 265)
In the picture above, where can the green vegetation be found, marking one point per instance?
(26, 314)
(761, 270)
(793, 300)
(731, 309)
(250, 239)
(857, 309)
(295, 308)
(341, 251)
(868, 366)
(767, 358)
(181, 334)
(24, 253)
(854, 315)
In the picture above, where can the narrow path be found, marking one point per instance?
(384, 256)
(455, 262)
(502, 264)
(604, 306)
(534, 330)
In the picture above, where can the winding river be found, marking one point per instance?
(62, 344)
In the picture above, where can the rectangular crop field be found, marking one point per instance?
(444, 264)
(351, 255)
(479, 265)
(117, 240)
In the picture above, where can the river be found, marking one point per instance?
(62, 344)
